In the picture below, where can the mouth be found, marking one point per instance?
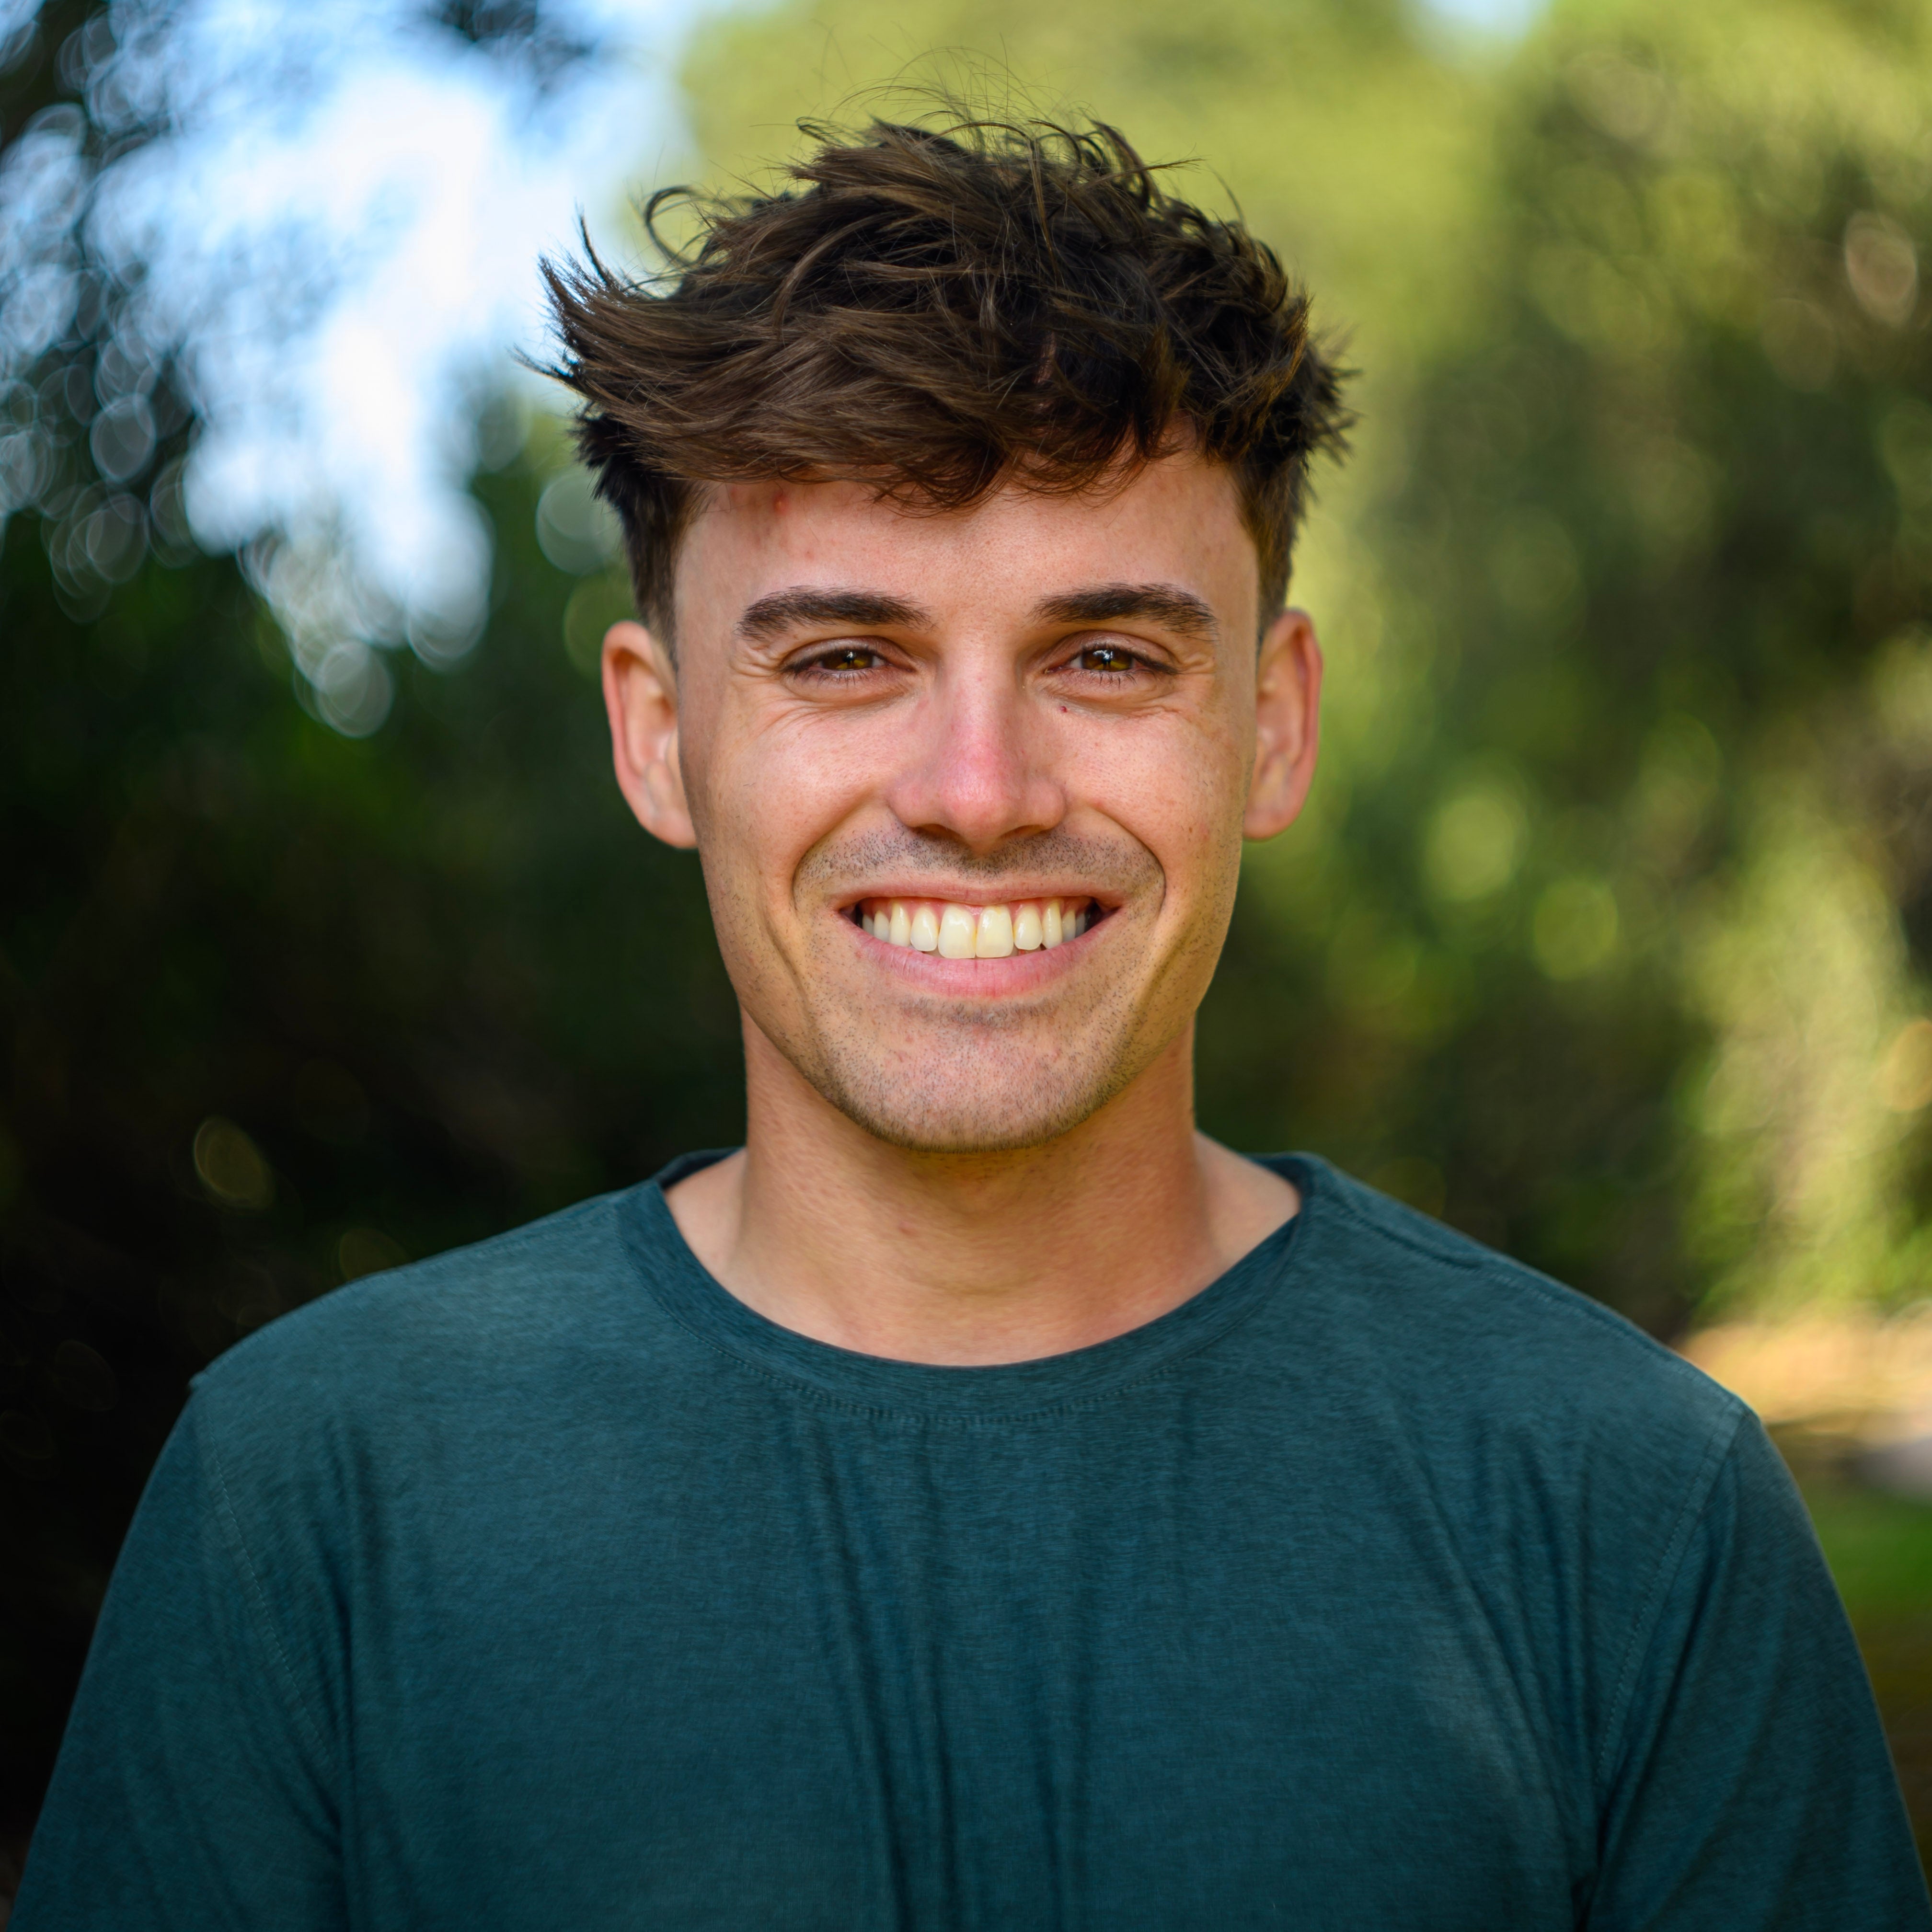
(955, 930)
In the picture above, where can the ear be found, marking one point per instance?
(1288, 703)
(641, 695)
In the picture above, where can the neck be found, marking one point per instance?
(974, 1258)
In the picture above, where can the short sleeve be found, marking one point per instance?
(192, 1789)
(1750, 1788)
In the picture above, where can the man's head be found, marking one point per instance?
(965, 480)
(935, 314)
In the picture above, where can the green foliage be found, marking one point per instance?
(1659, 561)
(1879, 1547)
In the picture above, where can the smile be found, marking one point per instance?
(957, 931)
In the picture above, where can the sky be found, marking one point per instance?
(1497, 17)
(337, 233)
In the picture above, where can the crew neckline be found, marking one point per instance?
(694, 1298)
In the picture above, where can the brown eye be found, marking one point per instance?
(845, 657)
(1106, 658)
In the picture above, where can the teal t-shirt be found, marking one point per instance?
(1383, 1585)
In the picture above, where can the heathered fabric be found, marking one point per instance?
(1385, 1584)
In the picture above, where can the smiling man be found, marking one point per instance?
(981, 1503)
(970, 803)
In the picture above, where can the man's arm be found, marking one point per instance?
(194, 1786)
(1749, 1787)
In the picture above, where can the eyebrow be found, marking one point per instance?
(1166, 605)
(780, 611)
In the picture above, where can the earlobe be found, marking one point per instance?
(641, 697)
(1288, 699)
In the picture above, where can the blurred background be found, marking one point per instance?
(325, 941)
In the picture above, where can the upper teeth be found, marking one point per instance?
(956, 931)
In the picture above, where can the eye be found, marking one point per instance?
(1107, 660)
(841, 661)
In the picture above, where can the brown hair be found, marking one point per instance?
(933, 312)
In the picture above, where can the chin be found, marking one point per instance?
(977, 1111)
(966, 1134)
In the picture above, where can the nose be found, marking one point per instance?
(977, 766)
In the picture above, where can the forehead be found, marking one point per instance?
(1176, 520)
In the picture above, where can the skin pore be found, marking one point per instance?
(979, 1159)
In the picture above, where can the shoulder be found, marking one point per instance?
(473, 1322)
(1472, 1343)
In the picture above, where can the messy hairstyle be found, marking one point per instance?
(936, 312)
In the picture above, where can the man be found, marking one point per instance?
(980, 1502)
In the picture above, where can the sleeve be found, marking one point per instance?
(1750, 1787)
(193, 1787)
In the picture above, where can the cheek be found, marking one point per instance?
(1181, 793)
(772, 797)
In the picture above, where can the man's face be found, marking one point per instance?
(969, 789)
